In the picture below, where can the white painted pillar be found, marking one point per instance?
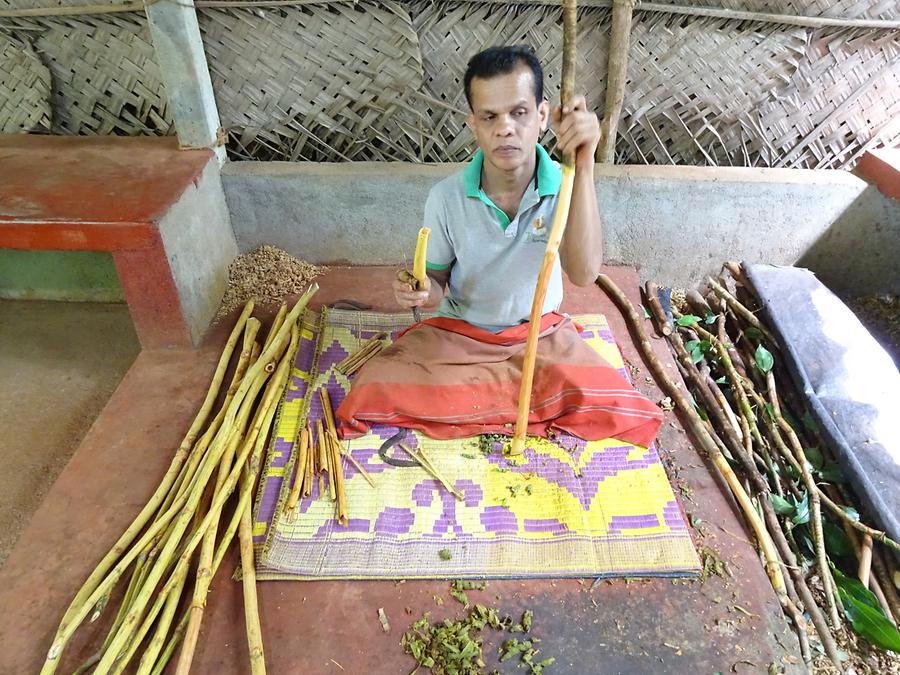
(182, 64)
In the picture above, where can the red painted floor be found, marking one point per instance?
(729, 624)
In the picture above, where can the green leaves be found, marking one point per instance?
(697, 348)
(797, 511)
(764, 360)
(782, 506)
(836, 542)
(710, 318)
(801, 511)
(864, 613)
(687, 320)
(455, 647)
(814, 457)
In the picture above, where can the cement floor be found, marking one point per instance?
(728, 623)
(59, 364)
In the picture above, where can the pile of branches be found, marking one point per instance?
(191, 519)
(825, 564)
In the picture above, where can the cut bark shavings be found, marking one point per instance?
(266, 275)
(457, 645)
(382, 617)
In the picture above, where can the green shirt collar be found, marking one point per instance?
(549, 175)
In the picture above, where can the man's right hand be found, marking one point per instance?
(406, 297)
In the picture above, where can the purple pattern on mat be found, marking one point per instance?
(499, 519)
(332, 356)
(353, 525)
(545, 525)
(394, 520)
(619, 523)
(672, 516)
(283, 446)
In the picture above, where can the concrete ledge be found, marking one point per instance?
(675, 224)
(159, 210)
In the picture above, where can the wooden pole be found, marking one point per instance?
(560, 217)
(620, 38)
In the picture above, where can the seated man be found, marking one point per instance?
(459, 374)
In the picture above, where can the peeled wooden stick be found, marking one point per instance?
(338, 474)
(218, 446)
(323, 456)
(560, 218)
(865, 560)
(162, 490)
(426, 464)
(357, 359)
(362, 471)
(309, 473)
(299, 474)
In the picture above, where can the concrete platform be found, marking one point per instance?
(730, 624)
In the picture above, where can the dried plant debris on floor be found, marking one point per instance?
(266, 275)
(456, 646)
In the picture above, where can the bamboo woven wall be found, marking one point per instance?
(381, 80)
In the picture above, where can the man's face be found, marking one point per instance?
(506, 119)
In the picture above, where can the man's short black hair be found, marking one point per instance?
(495, 61)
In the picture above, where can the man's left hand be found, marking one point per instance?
(577, 131)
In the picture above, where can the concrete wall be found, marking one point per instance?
(199, 242)
(676, 224)
(59, 275)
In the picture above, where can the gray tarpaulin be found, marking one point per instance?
(850, 381)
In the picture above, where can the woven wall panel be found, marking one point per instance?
(382, 80)
(846, 9)
(318, 82)
(843, 98)
(24, 88)
(451, 36)
(693, 88)
(104, 76)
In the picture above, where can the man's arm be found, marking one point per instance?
(429, 297)
(581, 250)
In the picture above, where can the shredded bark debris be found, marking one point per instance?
(266, 275)
(456, 647)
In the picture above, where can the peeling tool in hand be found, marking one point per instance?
(419, 272)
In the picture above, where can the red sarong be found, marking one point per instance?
(450, 379)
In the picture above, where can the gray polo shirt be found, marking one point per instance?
(493, 261)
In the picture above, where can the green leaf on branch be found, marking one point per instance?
(864, 613)
(753, 333)
(710, 318)
(801, 514)
(646, 313)
(687, 320)
(782, 506)
(837, 543)
(721, 380)
(764, 360)
(771, 410)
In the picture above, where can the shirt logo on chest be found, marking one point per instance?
(538, 233)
